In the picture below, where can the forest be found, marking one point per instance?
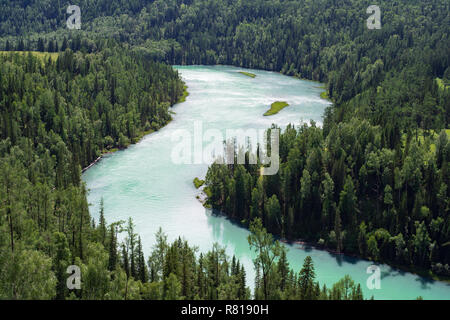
(348, 192)
(387, 76)
(373, 181)
(58, 114)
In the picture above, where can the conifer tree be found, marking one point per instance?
(306, 280)
(102, 222)
(112, 248)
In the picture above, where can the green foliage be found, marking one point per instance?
(373, 181)
(306, 280)
(21, 268)
(94, 271)
(276, 107)
(275, 280)
(385, 76)
(56, 116)
(198, 183)
(172, 288)
(185, 95)
(346, 289)
(384, 204)
(248, 74)
(267, 252)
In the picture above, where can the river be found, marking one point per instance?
(143, 182)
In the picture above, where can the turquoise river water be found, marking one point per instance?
(144, 183)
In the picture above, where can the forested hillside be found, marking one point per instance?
(57, 115)
(90, 102)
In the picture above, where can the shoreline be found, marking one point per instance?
(141, 136)
(202, 198)
(321, 85)
(427, 274)
(92, 164)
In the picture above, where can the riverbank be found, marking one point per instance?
(324, 95)
(139, 137)
(203, 196)
(185, 94)
(411, 269)
(142, 183)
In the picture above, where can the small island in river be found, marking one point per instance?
(276, 107)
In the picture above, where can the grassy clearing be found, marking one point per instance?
(421, 138)
(441, 84)
(41, 55)
(198, 183)
(324, 95)
(276, 107)
(141, 135)
(248, 74)
(185, 95)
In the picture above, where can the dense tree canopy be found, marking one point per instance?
(387, 75)
(373, 181)
(58, 115)
(349, 191)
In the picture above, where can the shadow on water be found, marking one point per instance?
(221, 227)
(219, 214)
(308, 248)
(425, 283)
(392, 272)
(217, 221)
(341, 258)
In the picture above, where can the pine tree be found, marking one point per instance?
(172, 288)
(64, 45)
(62, 261)
(338, 231)
(242, 293)
(306, 280)
(40, 45)
(131, 248)
(142, 268)
(201, 279)
(267, 251)
(283, 269)
(347, 207)
(125, 261)
(21, 45)
(112, 249)
(102, 222)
